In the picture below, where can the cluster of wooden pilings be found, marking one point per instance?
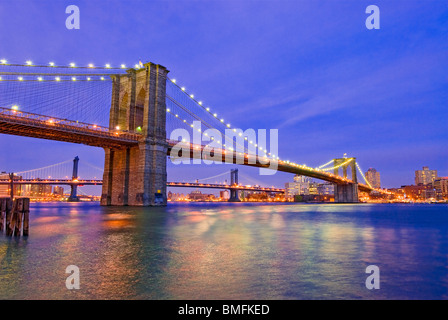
(15, 216)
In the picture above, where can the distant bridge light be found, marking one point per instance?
(58, 79)
(107, 65)
(183, 88)
(51, 64)
(102, 78)
(72, 65)
(40, 78)
(3, 61)
(173, 80)
(191, 96)
(91, 65)
(20, 78)
(29, 63)
(15, 107)
(123, 66)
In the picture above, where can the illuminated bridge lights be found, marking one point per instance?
(214, 114)
(72, 65)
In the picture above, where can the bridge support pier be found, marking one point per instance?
(234, 194)
(74, 188)
(346, 193)
(136, 176)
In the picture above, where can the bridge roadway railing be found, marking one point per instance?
(170, 184)
(32, 119)
(78, 182)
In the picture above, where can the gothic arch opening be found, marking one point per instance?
(123, 112)
(139, 107)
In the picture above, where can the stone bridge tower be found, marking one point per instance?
(136, 176)
(347, 192)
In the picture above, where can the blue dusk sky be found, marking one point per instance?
(308, 68)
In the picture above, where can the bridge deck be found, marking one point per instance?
(37, 126)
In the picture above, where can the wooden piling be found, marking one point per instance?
(26, 216)
(18, 215)
(8, 214)
(1, 214)
(3, 210)
(14, 215)
(11, 219)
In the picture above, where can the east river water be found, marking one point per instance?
(229, 251)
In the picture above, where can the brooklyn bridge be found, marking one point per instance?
(72, 104)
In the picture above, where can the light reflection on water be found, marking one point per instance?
(229, 251)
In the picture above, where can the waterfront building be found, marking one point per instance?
(419, 192)
(373, 177)
(325, 188)
(176, 196)
(313, 188)
(57, 190)
(255, 196)
(441, 188)
(224, 194)
(199, 196)
(5, 189)
(425, 176)
(40, 190)
(300, 186)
